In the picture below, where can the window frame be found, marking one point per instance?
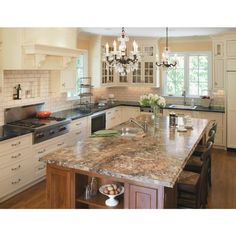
(85, 53)
(186, 71)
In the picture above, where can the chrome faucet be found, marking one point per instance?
(184, 94)
(144, 126)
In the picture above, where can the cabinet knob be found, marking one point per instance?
(16, 182)
(16, 168)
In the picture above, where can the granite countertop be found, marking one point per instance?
(156, 159)
(77, 113)
(8, 132)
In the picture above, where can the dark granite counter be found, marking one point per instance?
(7, 132)
(77, 113)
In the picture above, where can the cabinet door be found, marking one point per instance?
(60, 188)
(218, 79)
(231, 110)
(218, 49)
(129, 112)
(68, 80)
(231, 48)
(142, 198)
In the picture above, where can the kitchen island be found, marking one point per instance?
(148, 167)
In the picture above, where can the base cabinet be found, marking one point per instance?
(142, 198)
(60, 188)
(66, 189)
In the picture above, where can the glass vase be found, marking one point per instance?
(156, 115)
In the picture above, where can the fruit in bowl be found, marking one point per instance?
(111, 189)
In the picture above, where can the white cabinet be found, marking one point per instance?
(16, 165)
(147, 74)
(44, 148)
(62, 81)
(218, 74)
(231, 110)
(80, 129)
(129, 112)
(231, 48)
(113, 117)
(38, 48)
(218, 49)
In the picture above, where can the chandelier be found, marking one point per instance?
(118, 59)
(165, 61)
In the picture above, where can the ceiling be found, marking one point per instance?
(157, 32)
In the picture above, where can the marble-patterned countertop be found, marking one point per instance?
(156, 159)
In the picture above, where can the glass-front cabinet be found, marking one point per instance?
(147, 73)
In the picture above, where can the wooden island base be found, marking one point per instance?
(66, 190)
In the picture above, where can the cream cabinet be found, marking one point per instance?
(218, 48)
(38, 48)
(16, 166)
(44, 148)
(146, 75)
(62, 81)
(218, 74)
(129, 112)
(80, 129)
(231, 48)
(113, 117)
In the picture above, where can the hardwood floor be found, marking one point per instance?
(222, 194)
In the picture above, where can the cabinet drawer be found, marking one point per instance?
(16, 168)
(13, 157)
(16, 143)
(79, 123)
(14, 183)
(40, 170)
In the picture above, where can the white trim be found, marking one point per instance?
(186, 71)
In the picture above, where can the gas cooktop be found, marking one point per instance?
(34, 123)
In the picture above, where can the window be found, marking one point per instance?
(82, 71)
(192, 74)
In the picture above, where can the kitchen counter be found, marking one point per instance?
(156, 159)
(77, 113)
(7, 132)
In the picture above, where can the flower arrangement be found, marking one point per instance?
(152, 100)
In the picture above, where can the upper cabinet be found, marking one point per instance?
(103, 76)
(38, 48)
(218, 63)
(218, 49)
(231, 48)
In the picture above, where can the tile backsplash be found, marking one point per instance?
(35, 86)
(35, 89)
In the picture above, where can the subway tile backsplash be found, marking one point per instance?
(35, 89)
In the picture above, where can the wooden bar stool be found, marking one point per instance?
(192, 186)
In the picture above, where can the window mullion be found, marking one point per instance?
(186, 73)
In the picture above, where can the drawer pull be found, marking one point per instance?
(41, 168)
(16, 182)
(16, 144)
(40, 152)
(16, 156)
(16, 168)
(77, 124)
(113, 118)
(60, 144)
(77, 133)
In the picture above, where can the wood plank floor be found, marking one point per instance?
(222, 194)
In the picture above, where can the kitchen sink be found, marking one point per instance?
(189, 107)
(130, 132)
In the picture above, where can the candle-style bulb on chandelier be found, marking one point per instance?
(166, 62)
(118, 59)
